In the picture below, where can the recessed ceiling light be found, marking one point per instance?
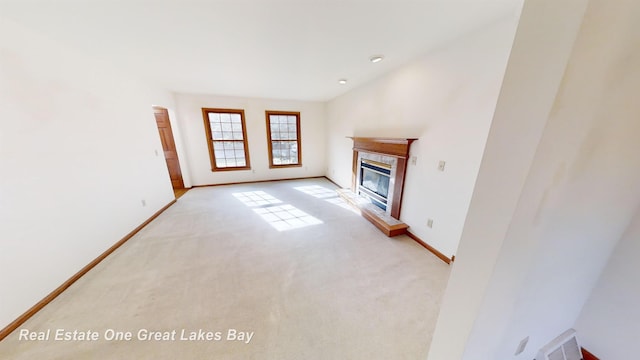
(342, 81)
(376, 58)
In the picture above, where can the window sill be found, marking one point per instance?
(284, 166)
(231, 169)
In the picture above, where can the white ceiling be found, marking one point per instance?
(290, 49)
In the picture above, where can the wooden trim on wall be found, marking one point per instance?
(586, 355)
(435, 252)
(47, 299)
(354, 171)
(398, 188)
(385, 146)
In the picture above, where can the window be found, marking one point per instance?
(283, 132)
(227, 139)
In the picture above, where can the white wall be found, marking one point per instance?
(77, 144)
(312, 127)
(610, 321)
(446, 99)
(544, 252)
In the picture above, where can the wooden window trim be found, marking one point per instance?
(269, 141)
(207, 128)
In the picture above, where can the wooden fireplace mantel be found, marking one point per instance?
(394, 147)
(397, 147)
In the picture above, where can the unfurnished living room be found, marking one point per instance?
(280, 179)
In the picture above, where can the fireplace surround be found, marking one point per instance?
(379, 169)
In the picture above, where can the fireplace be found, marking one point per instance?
(379, 168)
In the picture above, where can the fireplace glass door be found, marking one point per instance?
(374, 183)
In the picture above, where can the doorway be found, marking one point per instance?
(169, 147)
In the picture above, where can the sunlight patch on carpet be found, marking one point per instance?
(343, 204)
(319, 192)
(286, 217)
(328, 195)
(256, 198)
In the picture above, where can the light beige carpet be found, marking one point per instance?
(283, 262)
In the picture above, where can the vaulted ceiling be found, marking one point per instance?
(291, 49)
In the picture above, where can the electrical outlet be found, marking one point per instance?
(144, 202)
(522, 346)
(414, 160)
(441, 165)
(156, 151)
(430, 223)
